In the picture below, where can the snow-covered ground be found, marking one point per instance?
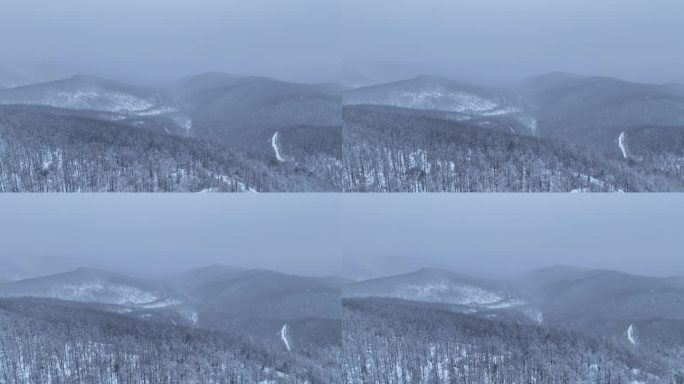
(226, 179)
(597, 182)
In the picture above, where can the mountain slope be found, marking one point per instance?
(85, 93)
(433, 93)
(614, 295)
(89, 286)
(260, 101)
(434, 286)
(76, 344)
(46, 150)
(655, 147)
(394, 150)
(267, 294)
(595, 110)
(402, 344)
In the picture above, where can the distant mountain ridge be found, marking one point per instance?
(85, 93)
(234, 292)
(88, 285)
(590, 110)
(434, 285)
(592, 301)
(556, 132)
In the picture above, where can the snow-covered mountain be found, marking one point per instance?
(436, 286)
(591, 110)
(87, 93)
(434, 93)
(599, 302)
(91, 286)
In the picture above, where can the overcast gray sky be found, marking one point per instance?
(503, 39)
(309, 233)
(304, 40)
(163, 233)
(510, 233)
(169, 37)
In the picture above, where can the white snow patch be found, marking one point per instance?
(432, 98)
(631, 334)
(276, 149)
(500, 111)
(284, 337)
(160, 304)
(597, 182)
(156, 111)
(622, 145)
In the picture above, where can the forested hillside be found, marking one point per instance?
(393, 342)
(44, 150)
(56, 342)
(221, 132)
(389, 150)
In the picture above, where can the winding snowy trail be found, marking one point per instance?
(621, 143)
(276, 149)
(284, 338)
(630, 334)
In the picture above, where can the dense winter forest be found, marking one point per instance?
(208, 133)
(222, 324)
(393, 151)
(388, 342)
(552, 133)
(50, 342)
(207, 325)
(554, 325)
(218, 132)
